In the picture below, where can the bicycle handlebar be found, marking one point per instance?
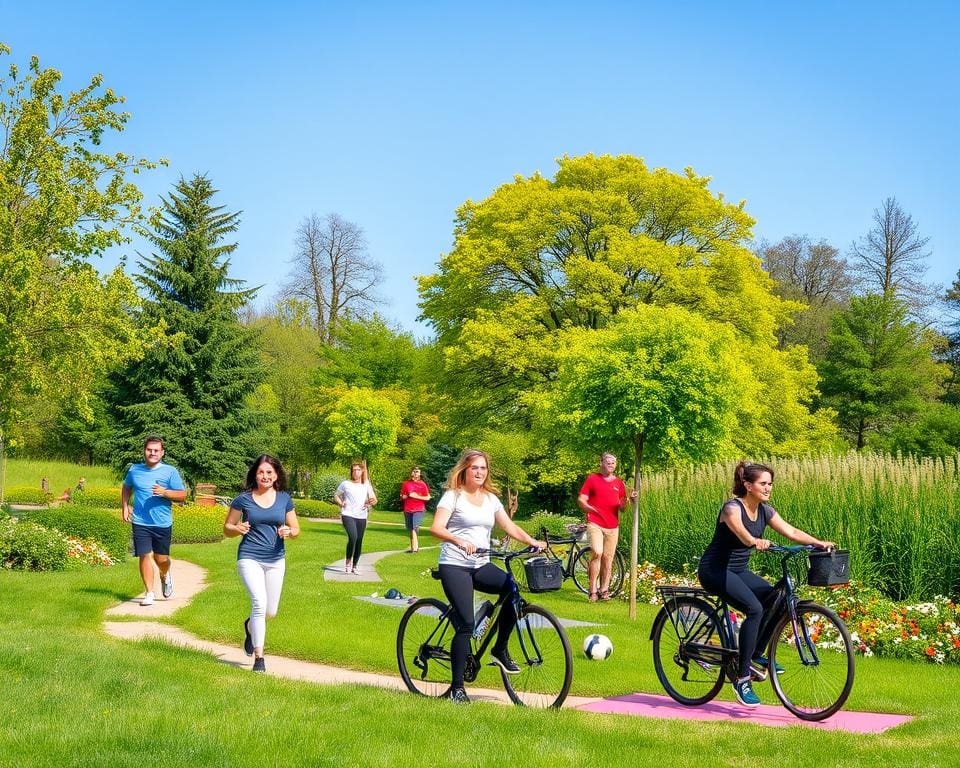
(504, 554)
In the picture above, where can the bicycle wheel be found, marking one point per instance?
(423, 648)
(687, 679)
(817, 662)
(539, 646)
(581, 572)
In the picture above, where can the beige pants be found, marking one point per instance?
(602, 540)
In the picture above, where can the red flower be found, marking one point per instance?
(930, 651)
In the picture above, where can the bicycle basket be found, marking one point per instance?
(544, 574)
(829, 568)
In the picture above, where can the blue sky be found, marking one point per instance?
(393, 114)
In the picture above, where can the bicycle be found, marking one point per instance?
(538, 644)
(576, 560)
(695, 646)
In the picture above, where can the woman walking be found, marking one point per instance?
(355, 497)
(264, 516)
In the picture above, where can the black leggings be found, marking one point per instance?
(748, 593)
(355, 528)
(458, 585)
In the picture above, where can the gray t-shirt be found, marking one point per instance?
(262, 542)
(471, 522)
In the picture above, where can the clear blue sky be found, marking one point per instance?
(393, 114)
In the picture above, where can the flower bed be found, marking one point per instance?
(928, 631)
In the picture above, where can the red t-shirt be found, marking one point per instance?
(605, 496)
(414, 486)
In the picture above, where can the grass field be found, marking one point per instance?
(74, 696)
(60, 474)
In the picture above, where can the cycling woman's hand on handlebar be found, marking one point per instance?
(540, 545)
(469, 547)
(762, 544)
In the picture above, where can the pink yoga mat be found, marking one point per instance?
(648, 705)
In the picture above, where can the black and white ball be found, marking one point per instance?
(597, 647)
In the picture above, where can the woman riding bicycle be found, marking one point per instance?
(466, 514)
(724, 567)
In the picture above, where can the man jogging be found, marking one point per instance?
(153, 485)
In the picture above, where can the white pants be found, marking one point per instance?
(264, 582)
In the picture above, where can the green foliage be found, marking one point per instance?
(196, 524)
(363, 424)
(21, 495)
(541, 257)
(88, 522)
(27, 546)
(367, 352)
(316, 508)
(191, 387)
(936, 432)
(62, 201)
(324, 485)
(556, 525)
(97, 497)
(879, 368)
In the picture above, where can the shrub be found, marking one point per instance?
(101, 525)
(314, 508)
(26, 495)
(195, 524)
(105, 498)
(324, 485)
(556, 525)
(27, 546)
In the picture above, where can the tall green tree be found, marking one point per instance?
(604, 235)
(879, 369)
(659, 384)
(63, 201)
(952, 353)
(192, 386)
(363, 425)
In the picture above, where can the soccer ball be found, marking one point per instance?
(597, 647)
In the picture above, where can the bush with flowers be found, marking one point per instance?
(28, 546)
(927, 631)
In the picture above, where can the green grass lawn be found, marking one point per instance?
(74, 696)
(59, 474)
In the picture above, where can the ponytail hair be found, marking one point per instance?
(747, 472)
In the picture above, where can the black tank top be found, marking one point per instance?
(726, 551)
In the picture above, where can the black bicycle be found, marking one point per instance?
(573, 552)
(810, 651)
(538, 645)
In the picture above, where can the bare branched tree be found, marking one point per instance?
(891, 259)
(812, 272)
(332, 271)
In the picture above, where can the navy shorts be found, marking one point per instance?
(147, 539)
(412, 520)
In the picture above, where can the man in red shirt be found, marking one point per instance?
(414, 493)
(602, 497)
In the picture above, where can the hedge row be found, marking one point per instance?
(195, 524)
(105, 498)
(23, 494)
(102, 525)
(315, 508)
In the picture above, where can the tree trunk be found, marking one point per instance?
(635, 535)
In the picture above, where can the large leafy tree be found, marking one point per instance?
(192, 387)
(659, 384)
(880, 370)
(607, 234)
(63, 200)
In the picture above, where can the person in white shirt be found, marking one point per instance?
(355, 497)
(466, 513)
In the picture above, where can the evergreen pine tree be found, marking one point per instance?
(192, 385)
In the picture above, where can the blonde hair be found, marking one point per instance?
(457, 477)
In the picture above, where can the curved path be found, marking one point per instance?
(190, 579)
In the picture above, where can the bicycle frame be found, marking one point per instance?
(572, 554)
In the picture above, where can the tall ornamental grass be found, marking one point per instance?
(899, 517)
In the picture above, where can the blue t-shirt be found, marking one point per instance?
(262, 542)
(148, 509)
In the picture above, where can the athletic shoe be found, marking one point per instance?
(459, 696)
(743, 690)
(167, 586)
(147, 599)
(258, 665)
(759, 666)
(502, 659)
(247, 639)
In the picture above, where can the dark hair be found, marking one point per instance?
(747, 472)
(280, 484)
(152, 439)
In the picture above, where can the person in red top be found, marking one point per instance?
(415, 494)
(602, 497)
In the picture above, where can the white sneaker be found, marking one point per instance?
(167, 585)
(147, 599)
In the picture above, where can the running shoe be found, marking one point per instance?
(167, 586)
(247, 639)
(502, 659)
(258, 665)
(147, 599)
(743, 690)
(459, 696)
